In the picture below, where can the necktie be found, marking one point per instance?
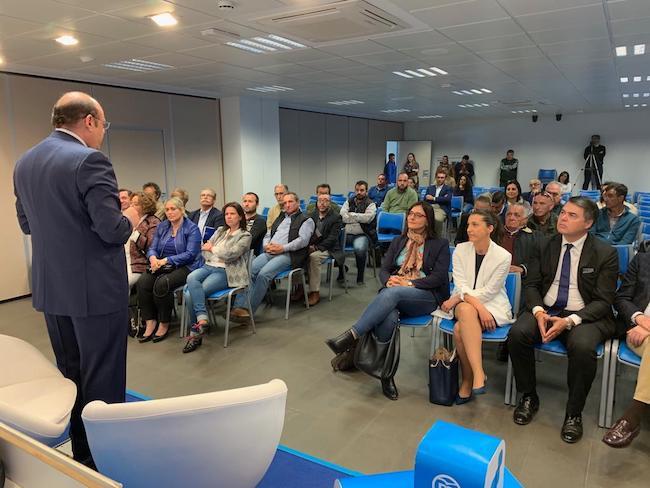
(565, 278)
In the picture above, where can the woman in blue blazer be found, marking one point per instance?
(173, 254)
(414, 275)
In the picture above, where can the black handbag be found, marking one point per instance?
(443, 377)
(378, 359)
(164, 269)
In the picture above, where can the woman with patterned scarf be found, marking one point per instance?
(415, 281)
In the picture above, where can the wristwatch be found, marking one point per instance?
(570, 323)
(410, 283)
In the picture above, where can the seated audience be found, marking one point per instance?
(499, 205)
(285, 247)
(225, 257)
(255, 224)
(508, 168)
(464, 189)
(173, 254)
(535, 186)
(412, 169)
(555, 190)
(400, 198)
(513, 195)
(324, 243)
(378, 193)
(125, 198)
(563, 179)
(207, 215)
(449, 169)
(601, 201)
(322, 189)
(520, 241)
(182, 194)
(615, 223)
(414, 275)
(413, 185)
(358, 215)
(279, 191)
(142, 236)
(439, 196)
(543, 219)
(482, 202)
(569, 297)
(465, 167)
(153, 190)
(633, 307)
(479, 300)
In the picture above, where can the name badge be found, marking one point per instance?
(587, 270)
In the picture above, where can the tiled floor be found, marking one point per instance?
(344, 418)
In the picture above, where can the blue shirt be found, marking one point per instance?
(281, 235)
(390, 171)
(169, 249)
(377, 194)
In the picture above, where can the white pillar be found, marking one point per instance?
(250, 129)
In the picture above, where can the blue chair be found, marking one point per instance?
(457, 204)
(313, 199)
(289, 274)
(639, 194)
(389, 225)
(265, 212)
(350, 250)
(565, 197)
(644, 228)
(338, 195)
(591, 194)
(330, 262)
(644, 214)
(547, 175)
(351, 195)
(338, 200)
(625, 255)
(621, 353)
(423, 193)
(500, 334)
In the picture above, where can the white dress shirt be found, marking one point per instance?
(575, 301)
(203, 217)
(70, 133)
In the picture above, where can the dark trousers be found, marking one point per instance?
(593, 177)
(580, 342)
(156, 293)
(91, 351)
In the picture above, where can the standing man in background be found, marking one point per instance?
(67, 199)
(508, 168)
(594, 156)
(390, 169)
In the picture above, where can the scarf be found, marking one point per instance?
(413, 261)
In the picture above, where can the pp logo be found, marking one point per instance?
(444, 481)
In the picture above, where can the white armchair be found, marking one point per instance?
(35, 398)
(226, 438)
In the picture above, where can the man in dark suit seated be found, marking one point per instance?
(255, 224)
(324, 243)
(439, 196)
(482, 202)
(569, 293)
(207, 215)
(78, 268)
(633, 307)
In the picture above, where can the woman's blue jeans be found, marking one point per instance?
(203, 282)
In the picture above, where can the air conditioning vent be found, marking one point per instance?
(346, 19)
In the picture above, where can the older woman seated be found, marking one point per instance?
(226, 266)
(174, 253)
(479, 300)
(414, 273)
(142, 236)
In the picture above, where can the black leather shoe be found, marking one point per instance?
(146, 338)
(621, 434)
(342, 342)
(572, 429)
(389, 389)
(192, 344)
(158, 338)
(525, 410)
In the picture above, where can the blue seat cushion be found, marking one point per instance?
(556, 347)
(416, 321)
(500, 334)
(384, 237)
(282, 274)
(627, 356)
(220, 293)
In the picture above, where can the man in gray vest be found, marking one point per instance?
(285, 247)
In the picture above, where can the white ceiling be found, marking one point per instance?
(545, 55)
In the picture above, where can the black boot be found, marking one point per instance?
(342, 342)
(388, 388)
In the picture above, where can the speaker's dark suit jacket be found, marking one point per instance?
(634, 294)
(597, 275)
(215, 218)
(66, 198)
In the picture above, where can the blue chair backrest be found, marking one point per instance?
(351, 194)
(644, 213)
(513, 290)
(451, 258)
(638, 195)
(645, 237)
(265, 212)
(547, 175)
(423, 192)
(338, 200)
(565, 197)
(457, 202)
(313, 199)
(625, 255)
(390, 223)
(340, 195)
(645, 228)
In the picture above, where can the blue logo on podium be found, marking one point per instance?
(444, 481)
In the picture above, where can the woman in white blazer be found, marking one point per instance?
(479, 299)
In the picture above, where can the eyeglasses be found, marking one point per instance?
(416, 214)
(105, 123)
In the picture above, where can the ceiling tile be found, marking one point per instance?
(470, 12)
(571, 34)
(482, 30)
(590, 15)
(171, 41)
(47, 12)
(629, 9)
(503, 42)
(354, 48)
(380, 59)
(419, 40)
(514, 53)
(525, 7)
(10, 26)
(631, 27)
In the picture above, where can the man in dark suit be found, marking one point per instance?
(439, 196)
(207, 215)
(66, 198)
(569, 295)
(324, 243)
(255, 224)
(633, 307)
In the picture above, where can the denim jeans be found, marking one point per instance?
(360, 245)
(201, 283)
(383, 312)
(265, 267)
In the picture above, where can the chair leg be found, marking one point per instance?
(183, 326)
(286, 308)
(611, 387)
(412, 331)
(508, 392)
(604, 394)
(250, 312)
(225, 335)
(330, 269)
(304, 288)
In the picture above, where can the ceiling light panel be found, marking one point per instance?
(420, 72)
(270, 89)
(395, 110)
(138, 65)
(260, 44)
(346, 102)
(624, 79)
(473, 91)
(639, 49)
(429, 116)
(67, 40)
(621, 51)
(164, 20)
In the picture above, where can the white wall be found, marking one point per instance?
(324, 148)
(545, 144)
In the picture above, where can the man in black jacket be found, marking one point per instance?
(570, 295)
(255, 224)
(325, 242)
(207, 215)
(594, 157)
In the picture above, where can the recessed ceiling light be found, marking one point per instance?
(627, 105)
(635, 95)
(535, 111)
(2, 60)
(138, 65)
(269, 42)
(395, 110)
(621, 51)
(284, 40)
(467, 92)
(485, 104)
(429, 116)
(257, 45)
(639, 49)
(644, 104)
(457, 92)
(261, 44)
(438, 70)
(635, 105)
(478, 92)
(646, 95)
(636, 79)
(647, 78)
(462, 106)
(414, 73)
(485, 90)
(626, 95)
(164, 20)
(624, 79)
(346, 102)
(426, 72)
(244, 47)
(403, 75)
(270, 89)
(67, 40)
